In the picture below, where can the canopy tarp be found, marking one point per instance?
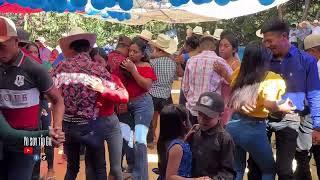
(15, 8)
(144, 11)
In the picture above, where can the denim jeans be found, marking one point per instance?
(72, 147)
(249, 135)
(142, 111)
(127, 129)
(110, 129)
(17, 165)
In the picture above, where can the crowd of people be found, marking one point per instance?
(84, 96)
(298, 32)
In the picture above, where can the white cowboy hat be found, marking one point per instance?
(207, 33)
(315, 22)
(198, 30)
(146, 35)
(217, 33)
(304, 22)
(259, 34)
(41, 39)
(75, 34)
(165, 43)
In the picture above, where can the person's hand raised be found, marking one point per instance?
(129, 66)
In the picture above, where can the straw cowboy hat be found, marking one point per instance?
(207, 33)
(304, 22)
(198, 30)
(311, 41)
(165, 43)
(217, 34)
(41, 39)
(146, 35)
(259, 34)
(75, 34)
(316, 22)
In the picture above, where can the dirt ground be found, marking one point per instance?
(60, 169)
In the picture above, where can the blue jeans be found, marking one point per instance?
(142, 111)
(249, 135)
(72, 145)
(109, 127)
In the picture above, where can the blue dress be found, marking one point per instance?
(186, 161)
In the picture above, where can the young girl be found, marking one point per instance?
(174, 153)
(228, 47)
(140, 76)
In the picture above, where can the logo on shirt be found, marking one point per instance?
(19, 80)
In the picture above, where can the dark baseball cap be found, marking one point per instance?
(210, 103)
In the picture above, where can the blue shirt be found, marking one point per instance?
(58, 60)
(185, 167)
(300, 72)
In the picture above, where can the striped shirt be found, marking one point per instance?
(165, 70)
(200, 77)
(21, 84)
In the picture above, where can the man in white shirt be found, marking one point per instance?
(293, 35)
(315, 27)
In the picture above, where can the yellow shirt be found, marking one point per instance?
(272, 88)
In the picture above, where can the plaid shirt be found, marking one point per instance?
(200, 77)
(71, 77)
(165, 70)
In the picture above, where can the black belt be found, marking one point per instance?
(279, 116)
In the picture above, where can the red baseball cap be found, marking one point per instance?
(7, 29)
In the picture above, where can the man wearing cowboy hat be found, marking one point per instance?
(73, 77)
(312, 46)
(305, 142)
(22, 82)
(165, 69)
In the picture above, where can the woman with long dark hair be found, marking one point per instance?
(140, 76)
(108, 122)
(172, 144)
(253, 84)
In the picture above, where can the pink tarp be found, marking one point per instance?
(15, 8)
